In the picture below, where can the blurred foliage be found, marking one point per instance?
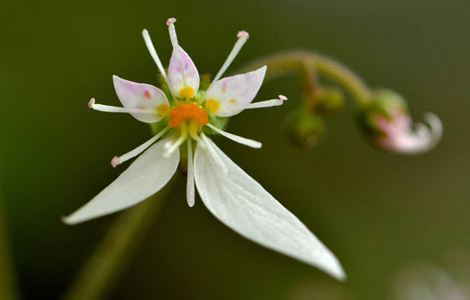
(373, 210)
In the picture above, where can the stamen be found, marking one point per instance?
(238, 139)
(115, 109)
(177, 143)
(268, 103)
(193, 133)
(153, 52)
(133, 153)
(172, 30)
(242, 38)
(190, 192)
(213, 154)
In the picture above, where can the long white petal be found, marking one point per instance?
(190, 190)
(244, 205)
(143, 178)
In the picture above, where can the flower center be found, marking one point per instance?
(188, 112)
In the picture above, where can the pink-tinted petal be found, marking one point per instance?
(230, 95)
(151, 100)
(183, 77)
(401, 136)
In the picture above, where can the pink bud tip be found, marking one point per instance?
(170, 21)
(243, 34)
(115, 162)
(282, 97)
(91, 103)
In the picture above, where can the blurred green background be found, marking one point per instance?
(374, 210)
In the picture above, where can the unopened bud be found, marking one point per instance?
(304, 129)
(386, 123)
(330, 100)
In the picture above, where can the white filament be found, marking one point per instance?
(153, 52)
(115, 109)
(242, 38)
(170, 148)
(117, 160)
(238, 139)
(190, 191)
(172, 31)
(267, 103)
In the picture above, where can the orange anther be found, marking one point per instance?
(188, 112)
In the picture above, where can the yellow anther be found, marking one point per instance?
(187, 92)
(213, 105)
(163, 110)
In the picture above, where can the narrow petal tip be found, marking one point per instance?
(116, 79)
(243, 34)
(282, 97)
(68, 220)
(170, 21)
(91, 103)
(340, 275)
(337, 272)
(115, 161)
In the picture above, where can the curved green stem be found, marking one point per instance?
(7, 284)
(107, 263)
(304, 63)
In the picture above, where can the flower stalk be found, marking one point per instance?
(310, 65)
(7, 282)
(393, 133)
(110, 259)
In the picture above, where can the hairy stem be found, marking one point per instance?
(7, 284)
(307, 64)
(110, 259)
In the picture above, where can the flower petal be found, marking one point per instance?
(141, 96)
(230, 95)
(190, 189)
(404, 138)
(144, 177)
(244, 205)
(183, 77)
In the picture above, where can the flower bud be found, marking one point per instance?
(387, 124)
(304, 128)
(330, 100)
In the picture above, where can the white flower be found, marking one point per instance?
(226, 190)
